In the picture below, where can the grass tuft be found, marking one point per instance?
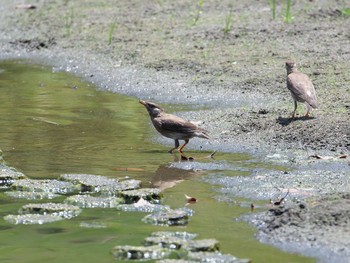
(197, 13)
(228, 23)
(68, 22)
(273, 8)
(345, 11)
(288, 18)
(111, 31)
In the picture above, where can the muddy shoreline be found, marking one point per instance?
(234, 82)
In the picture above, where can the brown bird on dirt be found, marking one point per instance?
(301, 88)
(172, 126)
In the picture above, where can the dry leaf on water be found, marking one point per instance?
(190, 199)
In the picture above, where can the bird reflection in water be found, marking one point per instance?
(167, 177)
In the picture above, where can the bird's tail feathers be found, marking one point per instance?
(311, 105)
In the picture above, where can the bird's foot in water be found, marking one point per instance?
(185, 158)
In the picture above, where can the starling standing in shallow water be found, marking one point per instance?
(301, 88)
(172, 126)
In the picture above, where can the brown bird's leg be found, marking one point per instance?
(295, 109)
(183, 146)
(308, 109)
(177, 144)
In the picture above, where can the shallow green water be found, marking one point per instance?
(52, 123)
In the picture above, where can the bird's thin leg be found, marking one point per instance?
(308, 109)
(295, 109)
(183, 146)
(177, 144)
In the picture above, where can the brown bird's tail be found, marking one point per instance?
(313, 102)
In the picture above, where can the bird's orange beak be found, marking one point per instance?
(142, 102)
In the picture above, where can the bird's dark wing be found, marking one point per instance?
(175, 127)
(173, 123)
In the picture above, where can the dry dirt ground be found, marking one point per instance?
(225, 59)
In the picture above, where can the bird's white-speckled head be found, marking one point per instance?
(153, 109)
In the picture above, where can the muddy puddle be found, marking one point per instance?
(52, 123)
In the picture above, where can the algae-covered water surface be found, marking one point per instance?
(52, 123)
